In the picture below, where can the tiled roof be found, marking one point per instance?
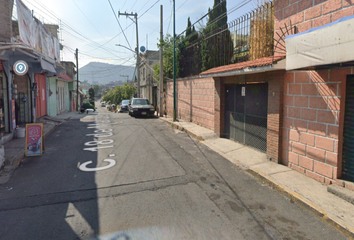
(249, 64)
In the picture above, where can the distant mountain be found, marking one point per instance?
(104, 73)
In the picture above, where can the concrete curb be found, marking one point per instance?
(16, 160)
(179, 127)
(302, 202)
(291, 195)
(341, 192)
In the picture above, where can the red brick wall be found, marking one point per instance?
(312, 98)
(306, 14)
(195, 100)
(219, 106)
(311, 122)
(275, 113)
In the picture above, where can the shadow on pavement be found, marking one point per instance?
(49, 197)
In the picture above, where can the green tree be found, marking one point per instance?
(97, 90)
(217, 46)
(189, 48)
(92, 96)
(167, 45)
(116, 95)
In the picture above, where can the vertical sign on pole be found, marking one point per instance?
(34, 139)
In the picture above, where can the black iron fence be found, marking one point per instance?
(247, 38)
(253, 34)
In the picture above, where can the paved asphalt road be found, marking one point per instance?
(146, 181)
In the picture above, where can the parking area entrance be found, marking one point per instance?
(246, 114)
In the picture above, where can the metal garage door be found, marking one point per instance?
(246, 114)
(41, 98)
(348, 133)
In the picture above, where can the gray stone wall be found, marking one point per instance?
(5, 20)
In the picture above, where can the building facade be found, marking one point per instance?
(316, 115)
(295, 107)
(148, 84)
(24, 96)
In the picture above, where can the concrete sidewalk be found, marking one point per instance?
(15, 147)
(295, 186)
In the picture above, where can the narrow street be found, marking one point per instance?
(111, 176)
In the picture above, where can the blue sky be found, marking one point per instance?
(91, 26)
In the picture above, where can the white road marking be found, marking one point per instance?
(86, 169)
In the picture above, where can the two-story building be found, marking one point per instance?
(148, 84)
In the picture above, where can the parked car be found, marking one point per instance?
(124, 106)
(141, 107)
(103, 104)
(90, 110)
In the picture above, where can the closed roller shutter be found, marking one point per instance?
(348, 135)
(246, 114)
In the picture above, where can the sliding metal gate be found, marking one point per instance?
(246, 114)
(348, 133)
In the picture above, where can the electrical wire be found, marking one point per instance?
(144, 5)
(119, 23)
(88, 18)
(133, 5)
(64, 24)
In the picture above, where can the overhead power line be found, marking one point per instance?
(88, 19)
(75, 33)
(115, 15)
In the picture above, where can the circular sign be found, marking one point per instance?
(142, 49)
(20, 67)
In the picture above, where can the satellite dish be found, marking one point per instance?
(142, 49)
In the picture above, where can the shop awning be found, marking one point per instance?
(329, 44)
(47, 66)
(64, 77)
(80, 92)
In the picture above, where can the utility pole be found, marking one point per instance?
(149, 87)
(174, 61)
(126, 76)
(135, 15)
(161, 61)
(77, 79)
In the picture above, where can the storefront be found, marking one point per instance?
(22, 96)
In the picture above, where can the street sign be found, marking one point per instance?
(20, 67)
(34, 139)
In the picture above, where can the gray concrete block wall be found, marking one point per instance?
(5, 20)
(69, 67)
